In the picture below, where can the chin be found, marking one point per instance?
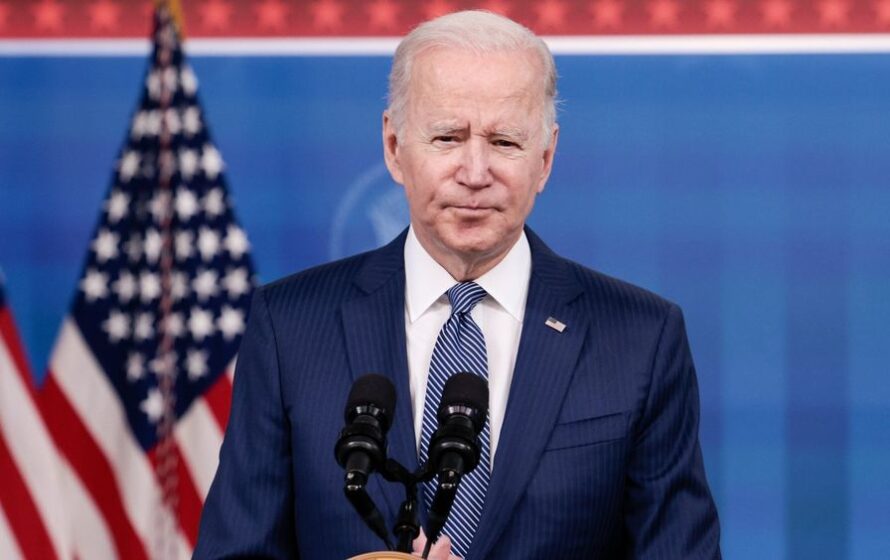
(472, 243)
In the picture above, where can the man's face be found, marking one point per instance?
(471, 155)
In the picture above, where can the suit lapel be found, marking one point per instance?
(374, 331)
(545, 362)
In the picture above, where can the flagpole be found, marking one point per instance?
(167, 457)
(175, 9)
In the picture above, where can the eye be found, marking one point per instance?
(445, 139)
(503, 143)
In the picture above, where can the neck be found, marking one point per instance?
(465, 271)
(465, 267)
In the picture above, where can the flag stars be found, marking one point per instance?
(211, 162)
(149, 287)
(105, 245)
(196, 364)
(145, 123)
(125, 287)
(215, 203)
(135, 366)
(164, 365)
(94, 285)
(184, 244)
(191, 120)
(205, 284)
(189, 81)
(129, 165)
(208, 243)
(159, 206)
(152, 246)
(236, 283)
(170, 80)
(231, 322)
(186, 204)
(116, 206)
(153, 405)
(188, 163)
(236, 242)
(173, 325)
(117, 326)
(179, 286)
(143, 329)
(172, 121)
(133, 248)
(152, 123)
(200, 323)
(153, 85)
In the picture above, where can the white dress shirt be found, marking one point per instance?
(499, 315)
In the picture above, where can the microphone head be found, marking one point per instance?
(372, 390)
(468, 391)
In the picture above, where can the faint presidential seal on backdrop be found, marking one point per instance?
(371, 213)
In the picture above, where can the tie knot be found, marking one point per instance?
(465, 296)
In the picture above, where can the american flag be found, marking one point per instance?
(137, 394)
(32, 523)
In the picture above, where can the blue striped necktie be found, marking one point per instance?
(460, 347)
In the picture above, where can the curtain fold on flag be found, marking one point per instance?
(138, 386)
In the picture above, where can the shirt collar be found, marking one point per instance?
(426, 281)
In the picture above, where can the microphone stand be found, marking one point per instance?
(407, 526)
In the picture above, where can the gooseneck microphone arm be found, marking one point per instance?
(453, 452)
(454, 448)
(361, 447)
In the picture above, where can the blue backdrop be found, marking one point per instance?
(752, 190)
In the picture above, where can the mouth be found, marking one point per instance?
(472, 212)
(469, 208)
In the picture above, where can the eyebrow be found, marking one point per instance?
(509, 132)
(453, 127)
(445, 128)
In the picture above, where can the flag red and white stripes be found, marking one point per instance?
(32, 523)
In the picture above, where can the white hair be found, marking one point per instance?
(477, 31)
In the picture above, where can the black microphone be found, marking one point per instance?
(361, 447)
(454, 448)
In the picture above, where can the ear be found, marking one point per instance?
(391, 149)
(549, 152)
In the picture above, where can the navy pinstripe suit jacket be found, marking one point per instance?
(598, 454)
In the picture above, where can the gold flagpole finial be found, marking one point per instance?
(175, 8)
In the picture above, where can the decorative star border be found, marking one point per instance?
(93, 19)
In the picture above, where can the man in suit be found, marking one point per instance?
(591, 447)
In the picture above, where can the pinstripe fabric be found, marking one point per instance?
(598, 455)
(460, 347)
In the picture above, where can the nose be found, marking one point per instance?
(475, 165)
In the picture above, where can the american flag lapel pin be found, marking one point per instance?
(555, 324)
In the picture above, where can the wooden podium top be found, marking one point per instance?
(385, 555)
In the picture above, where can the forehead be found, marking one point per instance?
(448, 82)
